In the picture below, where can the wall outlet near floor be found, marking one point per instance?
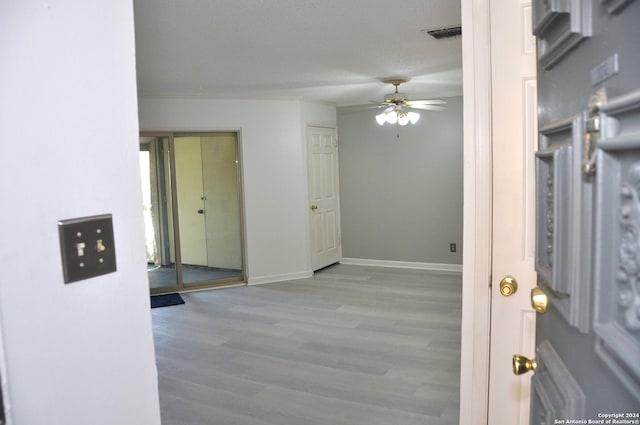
(452, 247)
(87, 247)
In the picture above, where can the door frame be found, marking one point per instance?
(172, 217)
(222, 283)
(478, 198)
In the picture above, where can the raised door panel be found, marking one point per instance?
(316, 180)
(617, 296)
(563, 220)
(560, 25)
(557, 395)
(615, 6)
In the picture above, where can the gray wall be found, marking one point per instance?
(401, 198)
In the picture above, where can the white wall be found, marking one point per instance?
(274, 171)
(401, 198)
(81, 353)
(318, 114)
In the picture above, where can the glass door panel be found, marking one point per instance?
(158, 214)
(209, 214)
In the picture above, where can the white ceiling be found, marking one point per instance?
(335, 51)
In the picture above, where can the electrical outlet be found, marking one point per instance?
(452, 247)
(87, 247)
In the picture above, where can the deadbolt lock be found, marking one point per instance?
(508, 286)
(522, 365)
(539, 300)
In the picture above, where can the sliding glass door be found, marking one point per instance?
(194, 233)
(157, 208)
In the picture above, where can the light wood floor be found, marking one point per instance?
(350, 346)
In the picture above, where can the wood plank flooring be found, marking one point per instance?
(352, 345)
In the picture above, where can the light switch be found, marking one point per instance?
(87, 247)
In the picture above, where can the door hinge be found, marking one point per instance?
(593, 126)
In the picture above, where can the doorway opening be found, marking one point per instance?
(192, 205)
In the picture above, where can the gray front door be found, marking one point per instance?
(588, 212)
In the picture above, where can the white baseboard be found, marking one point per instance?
(455, 268)
(278, 278)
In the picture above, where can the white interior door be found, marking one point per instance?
(322, 151)
(514, 117)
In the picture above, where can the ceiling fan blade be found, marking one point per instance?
(373, 105)
(427, 107)
(387, 108)
(425, 102)
(360, 107)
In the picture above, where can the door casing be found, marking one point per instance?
(477, 183)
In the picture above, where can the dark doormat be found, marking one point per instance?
(166, 300)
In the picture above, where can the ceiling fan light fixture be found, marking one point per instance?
(397, 116)
(392, 117)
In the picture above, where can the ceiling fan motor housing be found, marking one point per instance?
(395, 97)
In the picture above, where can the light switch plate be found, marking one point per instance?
(87, 247)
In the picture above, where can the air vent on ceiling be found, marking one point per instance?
(446, 32)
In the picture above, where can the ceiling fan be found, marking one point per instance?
(398, 107)
(396, 99)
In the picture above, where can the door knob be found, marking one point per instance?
(200, 211)
(508, 286)
(314, 207)
(539, 300)
(521, 364)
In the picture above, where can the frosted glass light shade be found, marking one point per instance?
(392, 117)
(397, 116)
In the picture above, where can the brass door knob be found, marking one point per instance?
(508, 286)
(314, 207)
(539, 300)
(521, 364)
